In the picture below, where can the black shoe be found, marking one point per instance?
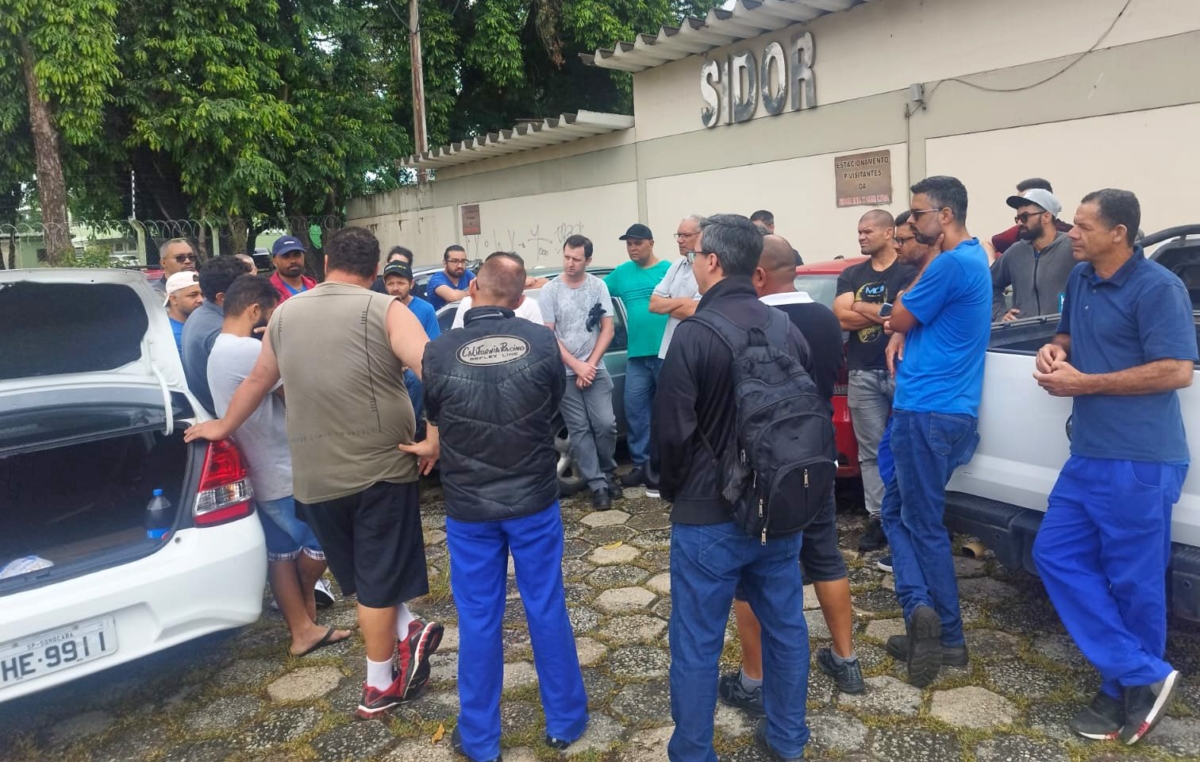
(952, 656)
(456, 744)
(874, 539)
(558, 744)
(634, 478)
(1102, 720)
(925, 647)
(760, 737)
(884, 564)
(733, 693)
(601, 500)
(1145, 705)
(847, 675)
(614, 487)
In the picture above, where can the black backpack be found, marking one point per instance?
(778, 474)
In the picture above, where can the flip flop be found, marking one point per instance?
(325, 641)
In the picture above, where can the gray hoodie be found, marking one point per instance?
(1038, 279)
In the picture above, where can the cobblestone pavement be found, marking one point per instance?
(241, 697)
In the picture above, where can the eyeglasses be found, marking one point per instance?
(691, 255)
(456, 261)
(1021, 218)
(685, 236)
(184, 258)
(903, 239)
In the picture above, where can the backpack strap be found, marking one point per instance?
(735, 337)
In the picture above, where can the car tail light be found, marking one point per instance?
(224, 493)
(842, 387)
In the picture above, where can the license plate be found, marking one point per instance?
(56, 650)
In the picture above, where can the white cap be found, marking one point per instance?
(180, 281)
(1043, 198)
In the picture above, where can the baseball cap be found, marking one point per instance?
(637, 230)
(398, 268)
(285, 244)
(180, 281)
(1043, 198)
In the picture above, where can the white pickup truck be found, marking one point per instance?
(1000, 496)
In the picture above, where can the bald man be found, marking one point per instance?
(862, 290)
(820, 557)
(493, 389)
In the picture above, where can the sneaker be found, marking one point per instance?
(874, 539)
(601, 500)
(847, 675)
(614, 487)
(1145, 705)
(558, 744)
(456, 744)
(952, 656)
(635, 478)
(733, 693)
(1101, 720)
(924, 646)
(652, 491)
(324, 594)
(884, 564)
(375, 702)
(760, 737)
(413, 655)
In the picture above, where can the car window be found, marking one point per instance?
(620, 342)
(821, 288)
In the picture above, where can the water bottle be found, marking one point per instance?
(158, 516)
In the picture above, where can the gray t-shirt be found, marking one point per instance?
(679, 282)
(262, 439)
(568, 308)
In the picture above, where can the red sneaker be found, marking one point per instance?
(413, 655)
(375, 702)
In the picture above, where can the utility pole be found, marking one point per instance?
(418, 85)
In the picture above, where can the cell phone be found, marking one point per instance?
(885, 310)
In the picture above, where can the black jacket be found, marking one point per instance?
(493, 388)
(695, 394)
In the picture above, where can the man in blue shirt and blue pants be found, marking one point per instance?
(1126, 342)
(945, 316)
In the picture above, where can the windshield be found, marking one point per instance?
(821, 288)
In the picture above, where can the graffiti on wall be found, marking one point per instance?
(538, 246)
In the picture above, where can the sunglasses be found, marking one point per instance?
(1023, 217)
(184, 258)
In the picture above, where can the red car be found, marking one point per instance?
(819, 281)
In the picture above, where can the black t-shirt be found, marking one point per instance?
(867, 345)
(821, 330)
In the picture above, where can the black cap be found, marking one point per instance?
(398, 268)
(639, 231)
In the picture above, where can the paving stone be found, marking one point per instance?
(609, 535)
(590, 652)
(662, 609)
(1026, 618)
(656, 560)
(356, 740)
(638, 628)
(574, 568)
(817, 629)
(1061, 649)
(424, 750)
(578, 593)
(443, 668)
(605, 518)
(1019, 749)
(732, 723)
(660, 583)
(304, 684)
(1052, 720)
(878, 602)
(601, 734)
(884, 695)
(647, 704)
(913, 745)
(622, 554)
(617, 576)
(972, 707)
(835, 732)
(810, 598)
(279, 727)
(653, 539)
(439, 705)
(582, 618)
(248, 672)
(651, 520)
(987, 590)
(576, 548)
(871, 656)
(647, 744)
(624, 599)
(79, 727)
(882, 629)
(517, 717)
(216, 750)
(1179, 736)
(1020, 679)
(888, 582)
(639, 662)
(519, 674)
(135, 744)
(599, 686)
(449, 639)
(992, 644)
(434, 537)
(225, 713)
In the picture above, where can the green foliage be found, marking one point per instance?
(93, 255)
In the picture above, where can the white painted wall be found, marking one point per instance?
(1147, 152)
(799, 192)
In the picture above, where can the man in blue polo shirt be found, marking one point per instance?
(1126, 342)
(946, 317)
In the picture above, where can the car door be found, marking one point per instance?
(615, 359)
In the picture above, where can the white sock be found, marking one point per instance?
(404, 618)
(379, 674)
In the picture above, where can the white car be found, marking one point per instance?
(93, 405)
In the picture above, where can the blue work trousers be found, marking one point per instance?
(1102, 551)
(478, 577)
(641, 382)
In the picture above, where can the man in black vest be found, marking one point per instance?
(493, 388)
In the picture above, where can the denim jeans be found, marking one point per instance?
(707, 562)
(869, 396)
(416, 394)
(641, 381)
(592, 427)
(927, 448)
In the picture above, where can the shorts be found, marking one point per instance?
(373, 542)
(286, 534)
(821, 559)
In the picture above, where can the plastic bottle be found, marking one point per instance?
(158, 516)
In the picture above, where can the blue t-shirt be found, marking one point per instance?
(942, 370)
(441, 279)
(200, 332)
(1142, 314)
(177, 329)
(427, 315)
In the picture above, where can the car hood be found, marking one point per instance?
(68, 327)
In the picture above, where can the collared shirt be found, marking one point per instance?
(285, 290)
(528, 309)
(679, 282)
(199, 334)
(1140, 315)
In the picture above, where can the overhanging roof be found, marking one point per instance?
(523, 137)
(748, 18)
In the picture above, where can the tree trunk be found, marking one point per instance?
(52, 187)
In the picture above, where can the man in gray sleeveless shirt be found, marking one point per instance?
(340, 350)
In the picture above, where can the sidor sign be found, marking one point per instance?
(863, 179)
(470, 220)
(733, 85)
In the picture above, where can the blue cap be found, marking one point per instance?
(285, 244)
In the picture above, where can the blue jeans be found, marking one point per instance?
(927, 447)
(706, 564)
(641, 381)
(1102, 551)
(285, 532)
(416, 394)
(478, 576)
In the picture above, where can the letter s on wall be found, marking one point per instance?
(710, 73)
